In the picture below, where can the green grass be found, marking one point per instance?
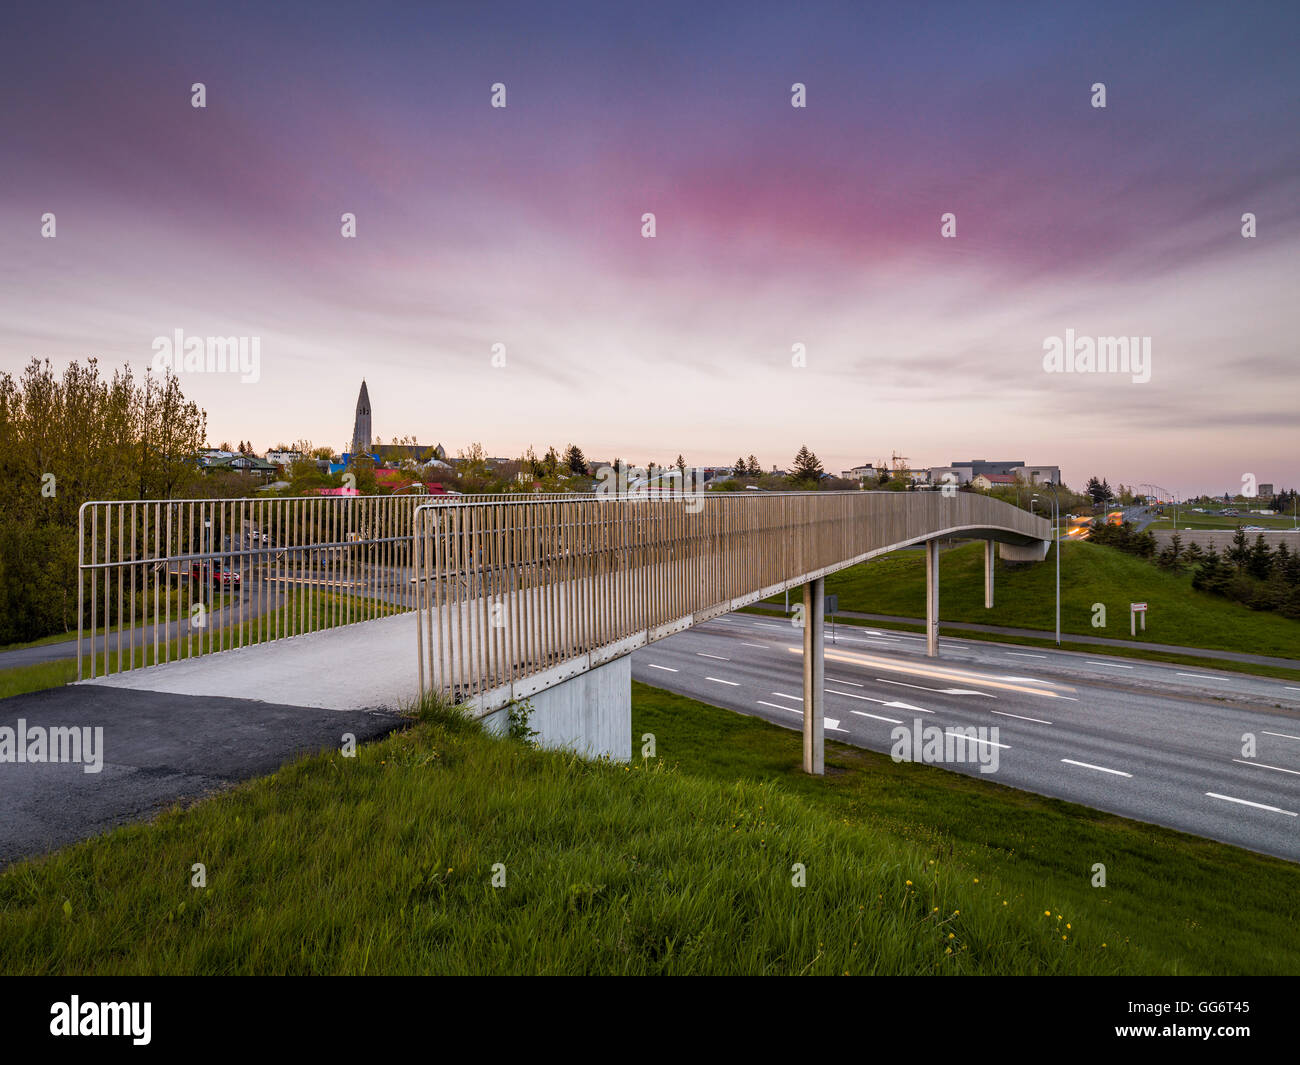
(58, 637)
(1025, 597)
(383, 863)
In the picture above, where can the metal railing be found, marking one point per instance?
(161, 580)
(515, 594)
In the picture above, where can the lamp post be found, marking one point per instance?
(1056, 528)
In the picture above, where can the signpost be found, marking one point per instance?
(1134, 609)
(832, 605)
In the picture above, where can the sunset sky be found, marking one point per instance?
(775, 225)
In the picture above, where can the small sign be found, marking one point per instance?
(1137, 606)
(832, 604)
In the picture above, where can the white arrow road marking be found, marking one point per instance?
(831, 724)
(882, 702)
(1261, 765)
(1099, 768)
(1246, 802)
(941, 691)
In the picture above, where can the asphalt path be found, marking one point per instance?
(1158, 743)
(157, 749)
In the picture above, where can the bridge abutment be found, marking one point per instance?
(590, 713)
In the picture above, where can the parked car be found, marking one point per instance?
(202, 571)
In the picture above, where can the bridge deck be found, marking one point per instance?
(366, 666)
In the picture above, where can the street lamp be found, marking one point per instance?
(1056, 528)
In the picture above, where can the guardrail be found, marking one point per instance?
(516, 594)
(160, 580)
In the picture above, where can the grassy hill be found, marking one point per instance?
(1025, 596)
(383, 863)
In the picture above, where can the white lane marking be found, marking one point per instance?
(850, 683)
(1022, 654)
(1021, 717)
(1113, 665)
(863, 713)
(760, 646)
(1261, 765)
(701, 654)
(666, 669)
(719, 680)
(973, 739)
(774, 706)
(1282, 735)
(783, 695)
(1291, 689)
(1099, 768)
(1247, 802)
(1203, 676)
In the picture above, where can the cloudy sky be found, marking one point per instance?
(775, 225)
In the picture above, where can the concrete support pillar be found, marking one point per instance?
(814, 677)
(932, 598)
(988, 574)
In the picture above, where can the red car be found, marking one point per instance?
(201, 571)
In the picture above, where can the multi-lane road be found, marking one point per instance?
(1212, 753)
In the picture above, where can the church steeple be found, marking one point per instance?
(361, 437)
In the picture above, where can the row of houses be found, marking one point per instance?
(978, 473)
(398, 468)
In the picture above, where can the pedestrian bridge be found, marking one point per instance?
(492, 600)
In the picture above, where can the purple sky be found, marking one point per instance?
(776, 225)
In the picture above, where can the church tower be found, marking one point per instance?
(361, 438)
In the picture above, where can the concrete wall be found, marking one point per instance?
(1035, 552)
(590, 713)
(1220, 539)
